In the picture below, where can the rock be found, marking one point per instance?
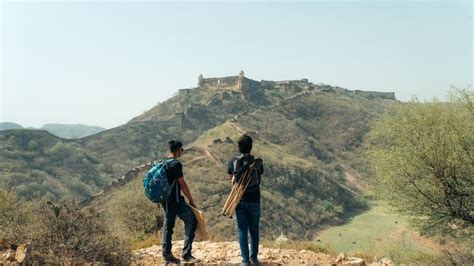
(386, 261)
(281, 239)
(9, 255)
(22, 252)
(354, 261)
(341, 257)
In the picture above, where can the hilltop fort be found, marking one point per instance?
(241, 87)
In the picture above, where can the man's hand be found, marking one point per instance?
(186, 192)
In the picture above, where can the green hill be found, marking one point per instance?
(38, 164)
(308, 135)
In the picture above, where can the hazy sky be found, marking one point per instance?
(102, 63)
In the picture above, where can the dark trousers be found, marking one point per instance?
(184, 212)
(248, 221)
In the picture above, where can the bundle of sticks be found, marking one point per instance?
(238, 189)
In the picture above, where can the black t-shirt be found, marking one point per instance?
(247, 196)
(173, 172)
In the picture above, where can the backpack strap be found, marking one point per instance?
(235, 164)
(241, 156)
(168, 161)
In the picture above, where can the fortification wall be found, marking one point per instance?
(230, 83)
(375, 94)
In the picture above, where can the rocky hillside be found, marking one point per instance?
(308, 135)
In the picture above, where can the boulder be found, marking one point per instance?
(22, 252)
(9, 255)
(386, 262)
(355, 261)
(341, 257)
(281, 239)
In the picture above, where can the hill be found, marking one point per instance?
(67, 131)
(308, 135)
(71, 131)
(310, 143)
(9, 125)
(38, 164)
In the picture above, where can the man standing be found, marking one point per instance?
(177, 206)
(248, 209)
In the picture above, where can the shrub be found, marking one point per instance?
(60, 233)
(74, 236)
(132, 216)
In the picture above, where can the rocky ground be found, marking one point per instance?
(211, 253)
(228, 253)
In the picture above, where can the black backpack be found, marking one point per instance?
(241, 164)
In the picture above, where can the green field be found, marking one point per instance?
(379, 232)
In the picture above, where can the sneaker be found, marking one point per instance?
(254, 262)
(245, 263)
(190, 259)
(170, 259)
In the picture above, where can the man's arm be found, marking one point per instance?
(185, 189)
(230, 170)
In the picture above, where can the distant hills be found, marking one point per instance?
(72, 131)
(67, 131)
(9, 125)
(310, 137)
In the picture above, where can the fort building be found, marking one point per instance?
(241, 86)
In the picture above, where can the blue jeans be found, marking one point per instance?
(184, 212)
(248, 221)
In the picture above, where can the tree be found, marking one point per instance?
(423, 156)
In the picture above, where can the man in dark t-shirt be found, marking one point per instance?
(248, 209)
(176, 206)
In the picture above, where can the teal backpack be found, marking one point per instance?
(157, 187)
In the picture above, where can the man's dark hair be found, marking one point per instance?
(175, 145)
(245, 144)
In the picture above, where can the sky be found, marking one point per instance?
(103, 62)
